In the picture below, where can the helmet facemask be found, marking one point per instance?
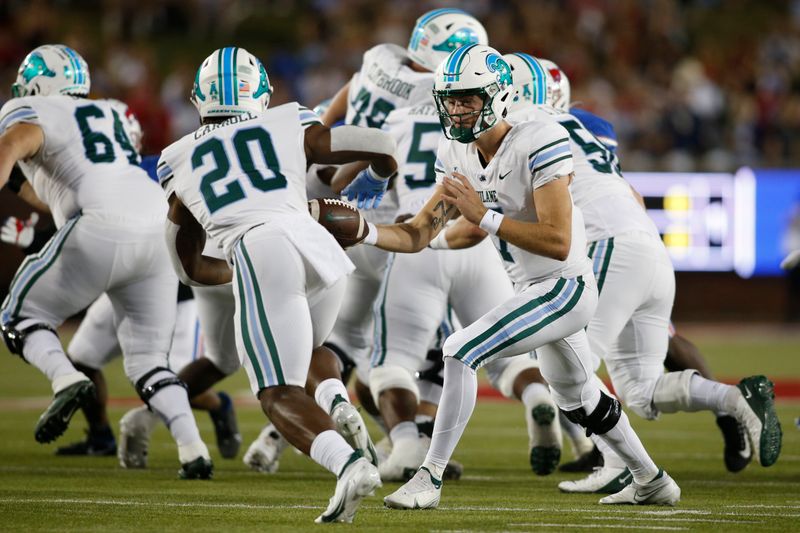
(486, 118)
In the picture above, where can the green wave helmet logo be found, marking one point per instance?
(198, 93)
(460, 38)
(497, 64)
(263, 82)
(35, 66)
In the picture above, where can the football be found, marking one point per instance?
(341, 219)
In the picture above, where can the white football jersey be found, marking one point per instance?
(87, 161)
(604, 197)
(385, 82)
(417, 132)
(243, 172)
(531, 155)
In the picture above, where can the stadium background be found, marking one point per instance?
(691, 86)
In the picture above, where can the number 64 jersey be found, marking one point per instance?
(86, 162)
(247, 171)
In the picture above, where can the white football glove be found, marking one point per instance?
(791, 260)
(19, 232)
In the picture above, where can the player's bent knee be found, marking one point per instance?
(387, 377)
(16, 331)
(672, 392)
(226, 364)
(604, 417)
(504, 380)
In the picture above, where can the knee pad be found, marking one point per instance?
(14, 336)
(346, 364)
(672, 392)
(604, 417)
(503, 380)
(148, 391)
(386, 377)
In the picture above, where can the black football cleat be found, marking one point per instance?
(55, 420)
(99, 443)
(229, 440)
(585, 463)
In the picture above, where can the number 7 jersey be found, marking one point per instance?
(243, 172)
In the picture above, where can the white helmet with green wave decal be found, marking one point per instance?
(52, 69)
(532, 83)
(473, 70)
(441, 31)
(231, 81)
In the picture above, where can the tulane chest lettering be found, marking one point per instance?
(386, 82)
(488, 197)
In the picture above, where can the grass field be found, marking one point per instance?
(41, 492)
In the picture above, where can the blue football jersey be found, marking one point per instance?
(599, 127)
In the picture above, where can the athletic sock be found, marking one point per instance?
(534, 394)
(171, 403)
(43, 350)
(610, 457)
(625, 443)
(455, 408)
(331, 451)
(404, 432)
(327, 392)
(707, 395)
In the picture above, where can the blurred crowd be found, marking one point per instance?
(705, 85)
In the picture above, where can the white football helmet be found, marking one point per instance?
(441, 31)
(532, 83)
(473, 70)
(231, 81)
(560, 95)
(52, 69)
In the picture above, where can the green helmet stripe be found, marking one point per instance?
(220, 86)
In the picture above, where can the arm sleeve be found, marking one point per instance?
(165, 176)
(550, 156)
(17, 110)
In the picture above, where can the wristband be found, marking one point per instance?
(440, 241)
(372, 235)
(491, 221)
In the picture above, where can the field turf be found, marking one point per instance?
(42, 492)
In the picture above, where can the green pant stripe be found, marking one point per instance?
(606, 261)
(383, 341)
(21, 298)
(248, 345)
(591, 250)
(533, 329)
(510, 317)
(262, 317)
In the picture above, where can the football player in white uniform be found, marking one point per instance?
(420, 288)
(82, 165)
(390, 78)
(636, 285)
(241, 178)
(523, 171)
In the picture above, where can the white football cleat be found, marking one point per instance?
(351, 426)
(422, 491)
(661, 490)
(358, 479)
(264, 453)
(544, 437)
(135, 428)
(404, 460)
(604, 480)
